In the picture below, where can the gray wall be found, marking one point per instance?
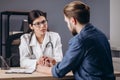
(99, 14)
(115, 24)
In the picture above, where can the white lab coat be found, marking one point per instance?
(25, 52)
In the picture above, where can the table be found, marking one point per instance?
(43, 76)
(38, 76)
(33, 76)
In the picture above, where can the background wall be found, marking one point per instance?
(115, 31)
(99, 14)
(115, 24)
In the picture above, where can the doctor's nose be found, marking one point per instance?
(42, 25)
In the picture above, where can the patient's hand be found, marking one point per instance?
(46, 61)
(43, 69)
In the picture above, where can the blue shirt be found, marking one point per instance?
(88, 57)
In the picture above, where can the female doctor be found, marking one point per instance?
(40, 44)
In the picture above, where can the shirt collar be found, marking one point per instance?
(34, 40)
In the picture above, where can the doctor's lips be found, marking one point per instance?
(43, 30)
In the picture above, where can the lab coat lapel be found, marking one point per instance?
(45, 41)
(34, 43)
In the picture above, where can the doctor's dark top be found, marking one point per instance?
(88, 57)
(30, 44)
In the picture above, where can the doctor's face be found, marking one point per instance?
(40, 25)
(71, 27)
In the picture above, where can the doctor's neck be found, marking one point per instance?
(40, 38)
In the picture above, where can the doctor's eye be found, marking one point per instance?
(40, 23)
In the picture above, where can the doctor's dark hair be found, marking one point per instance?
(35, 14)
(78, 10)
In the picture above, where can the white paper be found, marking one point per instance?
(20, 71)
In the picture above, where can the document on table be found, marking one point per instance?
(20, 71)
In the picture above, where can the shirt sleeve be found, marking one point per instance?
(58, 55)
(71, 60)
(25, 60)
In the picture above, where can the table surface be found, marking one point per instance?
(36, 76)
(43, 76)
(33, 76)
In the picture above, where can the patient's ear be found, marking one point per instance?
(73, 20)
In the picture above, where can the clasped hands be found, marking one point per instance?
(46, 61)
(44, 64)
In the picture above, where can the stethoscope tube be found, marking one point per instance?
(30, 47)
(50, 42)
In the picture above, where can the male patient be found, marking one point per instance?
(89, 55)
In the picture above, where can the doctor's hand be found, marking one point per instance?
(46, 61)
(41, 61)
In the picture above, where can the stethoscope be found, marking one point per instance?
(49, 43)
